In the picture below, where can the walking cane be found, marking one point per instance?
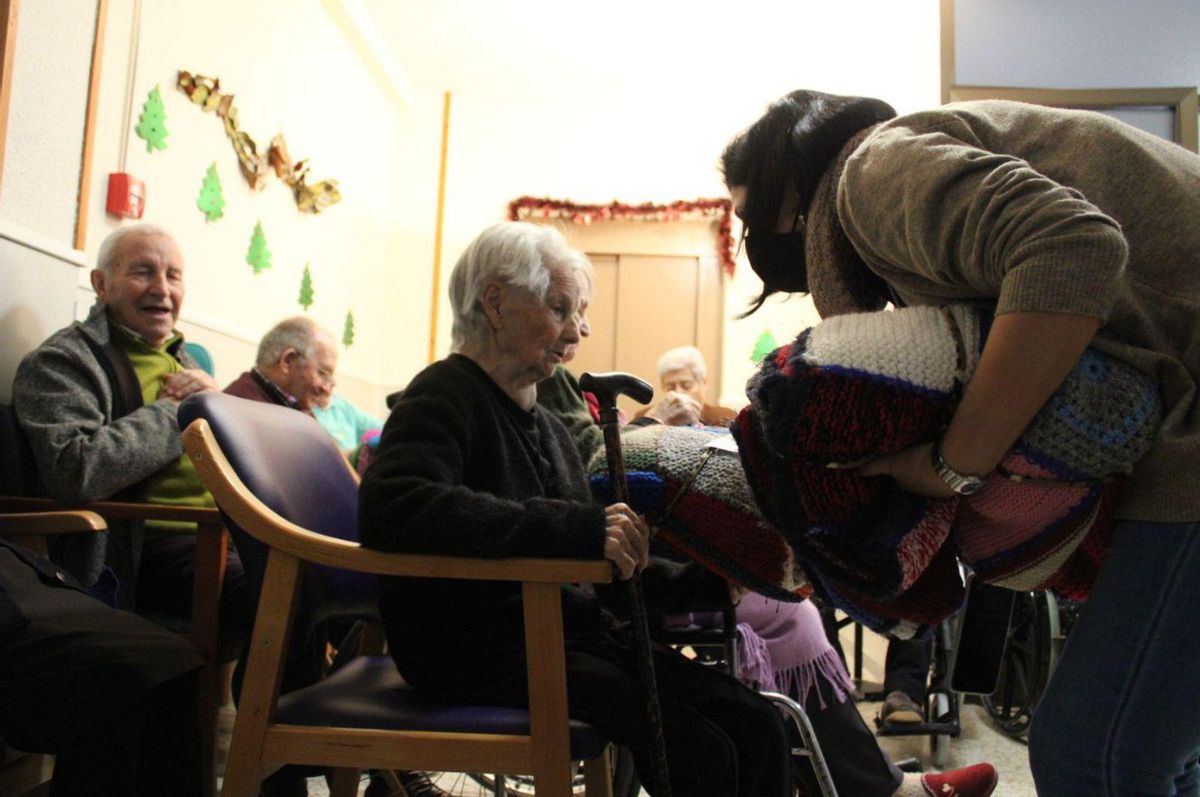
(606, 388)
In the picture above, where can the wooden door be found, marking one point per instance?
(646, 304)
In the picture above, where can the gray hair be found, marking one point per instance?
(683, 357)
(514, 253)
(298, 332)
(106, 257)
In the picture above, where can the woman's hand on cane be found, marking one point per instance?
(626, 540)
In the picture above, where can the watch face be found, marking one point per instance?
(958, 482)
(970, 485)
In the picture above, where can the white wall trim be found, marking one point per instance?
(40, 243)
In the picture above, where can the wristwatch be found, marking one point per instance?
(960, 483)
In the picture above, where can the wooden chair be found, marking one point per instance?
(212, 543)
(21, 772)
(288, 487)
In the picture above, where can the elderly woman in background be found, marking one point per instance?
(683, 376)
(470, 465)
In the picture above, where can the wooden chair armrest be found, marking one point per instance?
(333, 552)
(116, 510)
(50, 522)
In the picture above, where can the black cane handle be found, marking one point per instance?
(606, 387)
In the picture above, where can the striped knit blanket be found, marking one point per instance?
(859, 385)
(699, 502)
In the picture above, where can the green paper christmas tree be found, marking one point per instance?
(211, 200)
(306, 289)
(348, 330)
(763, 346)
(259, 256)
(152, 123)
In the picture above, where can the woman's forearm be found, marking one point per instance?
(1025, 359)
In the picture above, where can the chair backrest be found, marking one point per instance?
(201, 355)
(293, 466)
(18, 474)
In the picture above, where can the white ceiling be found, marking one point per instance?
(650, 48)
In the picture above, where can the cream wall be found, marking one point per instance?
(627, 101)
(45, 121)
(291, 71)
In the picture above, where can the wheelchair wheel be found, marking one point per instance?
(625, 782)
(518, 786)
(937, 709)
(1033, 644)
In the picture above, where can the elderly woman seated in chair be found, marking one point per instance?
(470, 465)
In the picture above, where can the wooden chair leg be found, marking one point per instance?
(547, 676)
(344, 783)
(598, 774)
(260, 690)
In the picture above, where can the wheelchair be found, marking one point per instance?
(716, 646)
(712, 645)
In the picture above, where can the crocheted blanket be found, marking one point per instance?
(856, 386)
(699, 502)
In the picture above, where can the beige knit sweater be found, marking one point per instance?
(1047, 210)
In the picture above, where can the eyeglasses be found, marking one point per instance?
(797, 226)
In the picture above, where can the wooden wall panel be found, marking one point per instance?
(597, 352)
(656, 310)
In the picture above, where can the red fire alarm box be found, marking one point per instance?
(126, 195)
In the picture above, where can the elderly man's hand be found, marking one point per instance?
(183, 384)
(676, 409)
(626, 539)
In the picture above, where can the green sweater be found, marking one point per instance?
(176, 483)
(1047, 210)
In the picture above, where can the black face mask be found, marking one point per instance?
(778, 259)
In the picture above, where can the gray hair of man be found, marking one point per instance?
(298, 333)
(683, 357)
(106, 256)
(514, 253)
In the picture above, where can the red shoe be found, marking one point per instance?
(977, 780)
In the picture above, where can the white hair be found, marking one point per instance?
(298, 333)
(514, 253)
(683, 357)
(106, 257)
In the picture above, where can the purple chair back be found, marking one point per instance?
(294, 467)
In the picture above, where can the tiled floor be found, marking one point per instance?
(980, 741)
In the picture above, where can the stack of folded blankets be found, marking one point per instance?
(860, 385)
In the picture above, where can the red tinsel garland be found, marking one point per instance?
(532, 207)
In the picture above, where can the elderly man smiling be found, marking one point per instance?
(97, 401)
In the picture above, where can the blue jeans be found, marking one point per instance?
(1121, 715)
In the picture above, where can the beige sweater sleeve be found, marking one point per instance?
(940, 217)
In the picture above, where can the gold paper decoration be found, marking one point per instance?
(206, 92)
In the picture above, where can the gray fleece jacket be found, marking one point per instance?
(77, 399)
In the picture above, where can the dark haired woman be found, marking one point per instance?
(1077, 230)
